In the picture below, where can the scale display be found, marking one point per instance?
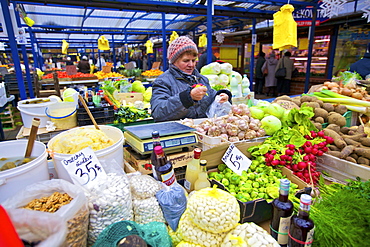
(173, 142)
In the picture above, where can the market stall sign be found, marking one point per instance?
(71, 69)
(236, 160)
(303, 17)
(84, 168)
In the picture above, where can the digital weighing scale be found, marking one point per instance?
(173, 135)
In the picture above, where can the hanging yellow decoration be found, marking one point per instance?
(65, 46)
(103, 43)
(149, 46)
(29, 21)
(202, 40)
(285, 28)
(173, 36)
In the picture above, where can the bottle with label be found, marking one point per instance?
(235, 87)
(282, 210)
(202, 181)
(90, 101)
(301, 227)
(245, 85)
(153, 157)
(192, 170)
(164, 170)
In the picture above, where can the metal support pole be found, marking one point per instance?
(14, 49)
(209, 30)
(99, 59)
(333, 47)
(126, 49)
(164, 42)
(34, 49)
(25, 58)
(114, 55)
(310, 47)
(251, 65)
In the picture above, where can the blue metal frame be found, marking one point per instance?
(209, 31)
(310, 47)
(14, 48)
(251, 65)
(333, 47)
(164, 42)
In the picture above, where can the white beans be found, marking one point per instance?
(143, 186)
(109, 202)
(251, 234)
(147, 210)
(214, 210)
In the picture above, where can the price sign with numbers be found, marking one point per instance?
(236, 160)
(84, 168)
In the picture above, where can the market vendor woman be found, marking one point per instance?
(174, 94)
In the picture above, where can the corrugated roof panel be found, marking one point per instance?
(244, 5)
(53, 10)
(56, 20)
(52, 35)
(144, 24)
(223, 3)
(100, 22)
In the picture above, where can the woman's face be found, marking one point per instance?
(186, 63)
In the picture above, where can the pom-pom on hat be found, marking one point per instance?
(179, 46)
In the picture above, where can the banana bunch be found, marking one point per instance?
(202, 40)
(173, 36)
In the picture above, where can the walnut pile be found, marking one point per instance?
(49, 203)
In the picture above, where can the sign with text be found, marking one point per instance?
(84, 168)
(303, 17)
(71, 69)
(236, 160)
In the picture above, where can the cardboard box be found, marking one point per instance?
(143, 165)
(256, 211)
(130, 97)
(342, 169)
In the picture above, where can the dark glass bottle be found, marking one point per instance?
(90, 102)
(282, 210)
(301, 227)
(164, 170)
(80, 105)
(153, 157)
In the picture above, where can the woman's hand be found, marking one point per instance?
(198, 93)
(224, 97)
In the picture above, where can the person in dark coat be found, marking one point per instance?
(69, 62)
(203, 59)
(283, 85)
(175, 95)
(83, 65)
(362, 66)
(260, 78)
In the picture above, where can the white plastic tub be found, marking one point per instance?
(62, 114)
(30, 111)
(15, 179)
(106, 156)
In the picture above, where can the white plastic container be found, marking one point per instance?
(106, 156)
(15, 179)
(30, 111)
(62, 114)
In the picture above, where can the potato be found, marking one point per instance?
(338, 140)
(328, 107)
(318, 126)
(363, 160)
(337, 119)
(319, 120)
(313, 104)
(341, 109)
(350, 159)
(334, 127)
(307, 98)
(319, 112)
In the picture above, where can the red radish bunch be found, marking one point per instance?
(302, 160)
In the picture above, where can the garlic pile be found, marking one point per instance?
(236, 126)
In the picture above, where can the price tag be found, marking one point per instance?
(71, 69)
(84, 168)
(236, 160)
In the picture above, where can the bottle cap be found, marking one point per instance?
(203, 162)
(155, 134)
(306, 199)
(197, 152)
(284, 183)
(158, 150)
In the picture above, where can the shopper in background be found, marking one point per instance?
(100, 61)
(362, 66)
(283, 85)
(174, 94)
(69, 61)
(260, 78)
(83, 65)
(203, 58)
(270, 80)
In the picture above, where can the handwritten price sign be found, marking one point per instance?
(236, 160)
(84, 168)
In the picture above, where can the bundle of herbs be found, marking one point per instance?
(342, 214)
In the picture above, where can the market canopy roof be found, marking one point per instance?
(134, 21)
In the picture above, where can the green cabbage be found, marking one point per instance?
(226, 68)
(211, 69)
(237, 75)
(213, 80)
(138, 87)
(224, 79)
(148, 94)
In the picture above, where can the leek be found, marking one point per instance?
(344, 101)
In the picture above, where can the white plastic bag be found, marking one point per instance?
(217, 109)
(34, 226)
(75, 213)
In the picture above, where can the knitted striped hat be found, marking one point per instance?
(179, 46)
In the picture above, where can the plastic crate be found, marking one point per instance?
(102, 115)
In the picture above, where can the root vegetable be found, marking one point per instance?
(355, 137)
(353, 155)
(336, 154)
(352, 142)
(350, 159)
(328, 107)
(313, 104)
(341, 109)
(337, 119)
(334, 127)
(318, 126)
(344, 130)
(365, 141)
(319, 120)
(346, 91)
(334, 148)
(357, 96)
(320, 102)
(233, 139)
(347, 151)
(250, 134)
(319, 112)
(307, 98)
(365, 152)
(297, 101)
(241, 135)
(363, 160)
(338, 140)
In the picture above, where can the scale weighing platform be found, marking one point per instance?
(174, 137)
